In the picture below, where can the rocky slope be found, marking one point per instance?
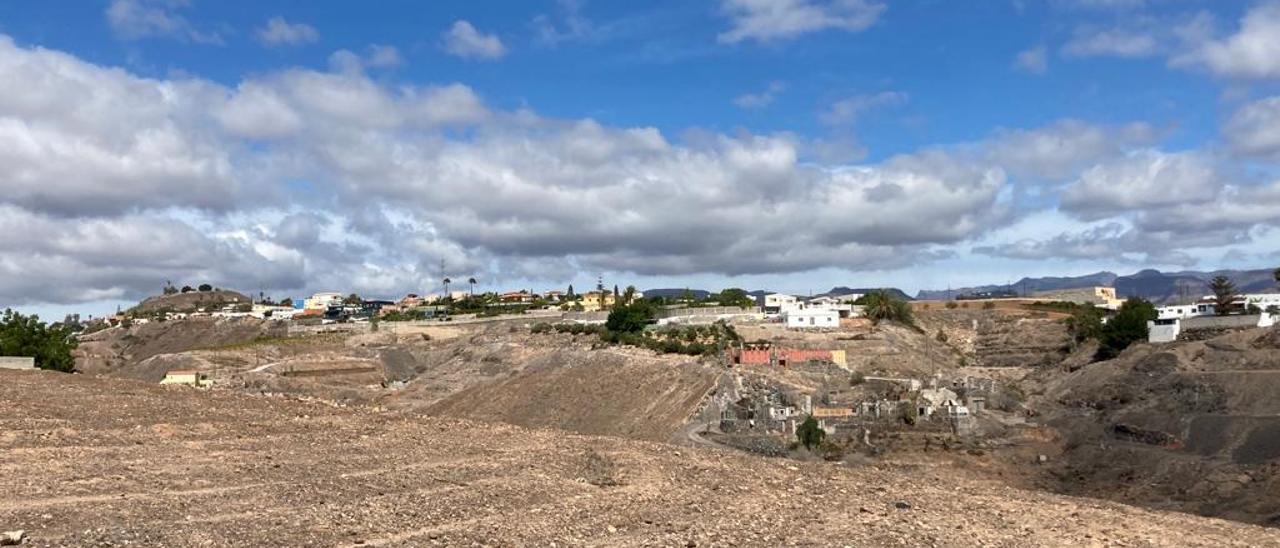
(1189, 425)
(113, 462)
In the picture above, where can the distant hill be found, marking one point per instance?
(841, 290)
(193, 301)
(669, 293)
(1153, 285)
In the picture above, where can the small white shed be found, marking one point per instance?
(810, 318)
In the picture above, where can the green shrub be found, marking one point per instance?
(809, 434)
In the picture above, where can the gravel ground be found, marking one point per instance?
(87, 461)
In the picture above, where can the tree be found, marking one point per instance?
(629, 294)
(629, 318)
(472, 282)
(736, 297)
(810, 433)
(27, 336)
(447, 281)
(205, 288)
(1085, 323)
(616, 294)
(1128, 326)
(879, 305)
(569, 294)
(1224, 294)
(353, 299)
(288, 301)
(1276, 275)
(187, 289)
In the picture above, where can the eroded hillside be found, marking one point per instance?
(116, 462)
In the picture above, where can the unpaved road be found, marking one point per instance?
(87, 461)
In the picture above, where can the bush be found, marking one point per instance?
(952, 305)
(630, 318)
(988, 305)
(810, 434)
(1127, 327)
(540, 327)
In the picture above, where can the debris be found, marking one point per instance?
(13, 538)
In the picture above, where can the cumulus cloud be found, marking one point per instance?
(463, 40)
(279, 32)
(138, 19)
(1034, 60)
(380, 191)
(1251, 52)
(1254, 129)
(1142, 180)
(766, 20)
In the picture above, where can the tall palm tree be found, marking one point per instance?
(472, 281)
(447, 281)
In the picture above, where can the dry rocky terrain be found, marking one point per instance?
(90, 461)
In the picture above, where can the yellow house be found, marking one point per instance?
(597, 300)
(189, 377)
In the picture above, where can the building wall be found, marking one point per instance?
(1164, 333)
(813, 319)
(17, 362)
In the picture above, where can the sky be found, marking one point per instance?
(288, 147)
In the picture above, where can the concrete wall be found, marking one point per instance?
(1211, 322)
(7, 362)
(1163, 333)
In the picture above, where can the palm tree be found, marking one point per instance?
(1276, 275)
(472, 281)
(447, 281)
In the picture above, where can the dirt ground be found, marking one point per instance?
(88, 461)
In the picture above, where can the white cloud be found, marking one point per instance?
(761, 99)
(766, 20)
(1034, 60)
(139, 19)
(1254, 129)
(1252, 52)
(1112, 42)
(383, 56)
(1140, 181)
(847, 111)
(280, 32)
(463, 40)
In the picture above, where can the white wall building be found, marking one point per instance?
(809, 318)
(322, 301)
(779, 303)
(1185, 311)
(1262, 300)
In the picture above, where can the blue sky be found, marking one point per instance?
(788, 144)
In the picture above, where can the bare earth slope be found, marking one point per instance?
(91, 461)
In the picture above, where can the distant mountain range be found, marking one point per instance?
(669, 293)
(1153, 285)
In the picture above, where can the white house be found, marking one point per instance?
(812, 318)
(1185, 311)
(775, 303)
(1262, 300)
(322, 301)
